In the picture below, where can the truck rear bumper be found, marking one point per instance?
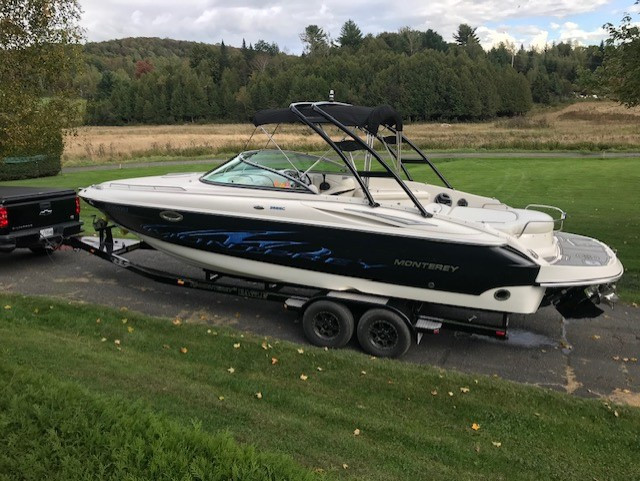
(33, 237)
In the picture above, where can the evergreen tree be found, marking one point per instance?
(466, 35)
(350, 35)
(315, 40)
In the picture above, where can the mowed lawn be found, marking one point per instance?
(155, 394)
(601, 196)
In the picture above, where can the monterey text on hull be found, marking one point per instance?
(353, 219)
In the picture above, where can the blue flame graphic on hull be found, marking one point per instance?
(259, 242)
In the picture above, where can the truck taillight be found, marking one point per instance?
(4, 218)
(77, 205)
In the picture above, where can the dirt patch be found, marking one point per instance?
(572, 381)
(625, 396)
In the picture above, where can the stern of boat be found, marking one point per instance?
(582, 277)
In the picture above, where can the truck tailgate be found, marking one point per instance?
(30, 208)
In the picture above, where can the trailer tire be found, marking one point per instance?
(383, 333)
(328, 324)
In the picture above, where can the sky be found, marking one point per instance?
(528, 22)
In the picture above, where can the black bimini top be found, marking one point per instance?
(369, 118)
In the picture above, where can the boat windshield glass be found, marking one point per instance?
(278, 169)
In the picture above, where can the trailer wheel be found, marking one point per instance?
(383, 333)
(327, 324)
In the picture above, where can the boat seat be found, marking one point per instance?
(510, 221)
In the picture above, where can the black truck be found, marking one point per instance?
(37, 218)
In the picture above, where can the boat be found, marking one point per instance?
(354, 220)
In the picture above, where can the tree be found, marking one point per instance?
(143, 67)
(434, 41)
(39, 56)
(316, 40)
(466, 35)
(412, 39)
(350, 35)
(621, 67)
(266, 47)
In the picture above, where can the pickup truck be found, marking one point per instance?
(37, 218)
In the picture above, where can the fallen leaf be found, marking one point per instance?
(475, 426)
(129, 329)
(259, 395)
(7, 307)
(236, 345)
(264, 345)
(356, 432)
(176, 322)
(326, 348)
(616, 358)
(300, 351)
(208, 331)
(319, 369)
(450, 393)
(166, 346)
(117, 342)
(615, 413)
(633, 359)
(220, 398)
(595, 337)
(98, 320)
(373, 358)
(125, 320)
(304, 377)
(464, 390)
(345, 466)
(625, 359)
(104, 339)
(434, 393)
(184, 350)
(123, 309)
(36, 310)
(274, 360)
(496, 444)
(231, 370)
(363, 373)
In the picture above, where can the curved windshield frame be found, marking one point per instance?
(272, 169)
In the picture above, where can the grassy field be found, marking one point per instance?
(59, 431)
(600, 195)
(336, 412)
(588, 126)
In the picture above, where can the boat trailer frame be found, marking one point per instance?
(293, 297)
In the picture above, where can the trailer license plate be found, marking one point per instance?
(44, 233)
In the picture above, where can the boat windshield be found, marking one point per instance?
(277, 169)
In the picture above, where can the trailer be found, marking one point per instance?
(384, 326)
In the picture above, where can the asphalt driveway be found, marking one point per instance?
(594, 357)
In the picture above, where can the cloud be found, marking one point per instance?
(282, 21)
(571, 32)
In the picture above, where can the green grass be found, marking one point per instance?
(600, 195)
(59, 431)
(406, 432)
